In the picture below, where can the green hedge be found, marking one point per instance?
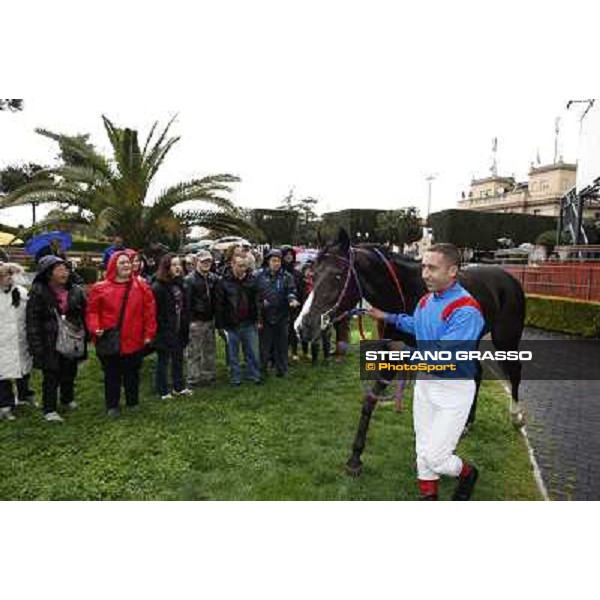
(81, 246)
(88, 274)
(479, 230)
(574, 317)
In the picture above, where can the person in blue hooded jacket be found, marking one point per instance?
(277, 296)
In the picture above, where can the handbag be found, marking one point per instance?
(108, 345)
(70, 339)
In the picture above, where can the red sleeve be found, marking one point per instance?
(149, 313)
(91, 316)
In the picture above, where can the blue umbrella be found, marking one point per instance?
(34, 245)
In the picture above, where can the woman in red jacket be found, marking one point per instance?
(138, 329)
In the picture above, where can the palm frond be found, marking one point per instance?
(218, 222)
(64, 221)
(127, 154)
(73, 174)
(157, 154)
(148, 140)
(40, 192)
(85, 152)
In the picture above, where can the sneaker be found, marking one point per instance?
(6, 414)
(466, 483)
(53, 417)
(73, 405)
(167, 397)
(113, 413)
(185, 392)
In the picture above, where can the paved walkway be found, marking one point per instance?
(564, 429)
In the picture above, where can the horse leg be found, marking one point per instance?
(400, 393)
(354, 464)
(473, 412)
(512, 369)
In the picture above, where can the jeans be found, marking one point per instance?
(122, 371)
(64, 379)
(201, 353)
(247, 334)
(163, 359)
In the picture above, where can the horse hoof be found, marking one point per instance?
(354, 469)
(518, 420)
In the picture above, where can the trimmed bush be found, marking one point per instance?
(479, 230)
(88, 246)
(566, 315)
(88, 274)
(29, 265)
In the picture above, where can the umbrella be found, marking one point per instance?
(223, 243)
(8, 238)
(34, 245)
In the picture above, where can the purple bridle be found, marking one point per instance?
(326, 320)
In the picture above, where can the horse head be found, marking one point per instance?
(335, 288)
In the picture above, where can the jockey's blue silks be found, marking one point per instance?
(442, 318)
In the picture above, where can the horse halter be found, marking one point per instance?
(326, 320)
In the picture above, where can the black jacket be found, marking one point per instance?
(201, 295)
(276, 293)
(230, 292)
(42, 326)
(167, 336)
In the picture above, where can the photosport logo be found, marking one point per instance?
(538, 360)
(458, 362)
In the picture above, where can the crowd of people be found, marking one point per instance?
(171, 305)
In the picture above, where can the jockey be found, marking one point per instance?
(441, 405)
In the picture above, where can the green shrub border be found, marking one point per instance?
(565, 315)
(81, 246)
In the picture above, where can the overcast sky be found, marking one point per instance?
(354, 103)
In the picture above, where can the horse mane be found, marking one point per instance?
(402, 259)
(397, 257)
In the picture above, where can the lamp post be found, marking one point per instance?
(430, 179)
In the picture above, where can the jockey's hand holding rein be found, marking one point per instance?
(376, 314)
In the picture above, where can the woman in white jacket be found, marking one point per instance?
(15, 360)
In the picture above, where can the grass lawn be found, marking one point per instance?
(286, 440)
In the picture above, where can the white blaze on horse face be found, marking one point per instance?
(305, 310)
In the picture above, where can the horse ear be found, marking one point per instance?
(343, 239)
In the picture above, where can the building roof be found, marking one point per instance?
(493, 180)
(559, 166)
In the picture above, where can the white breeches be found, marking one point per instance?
(440, 410)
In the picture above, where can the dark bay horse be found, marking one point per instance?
(345, 275)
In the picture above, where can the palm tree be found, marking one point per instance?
(110, 196)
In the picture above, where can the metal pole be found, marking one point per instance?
(430, 181)
(580, 202)
(560, 222)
